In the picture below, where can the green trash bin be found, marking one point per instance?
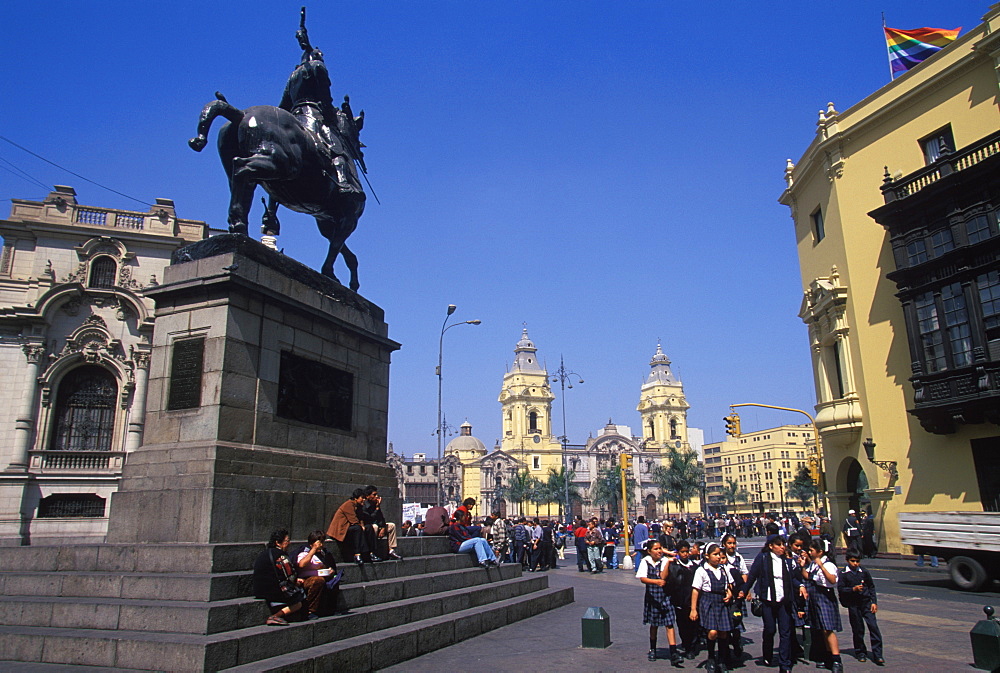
(596, 628)
(985, 637)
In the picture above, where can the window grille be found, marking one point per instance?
(71, 505)
(85, 410)
(103, 272)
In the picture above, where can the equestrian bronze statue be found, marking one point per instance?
(305, 153)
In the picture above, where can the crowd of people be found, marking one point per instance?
(699, 594)
(697, 591)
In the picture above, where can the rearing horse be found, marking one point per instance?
(267, 146)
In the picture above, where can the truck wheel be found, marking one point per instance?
(967, 573)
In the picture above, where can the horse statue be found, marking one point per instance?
(303, 153)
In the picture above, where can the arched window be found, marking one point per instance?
(85, 410)
(102, 272)
(652, 430)
(532, 421)
(673, 428)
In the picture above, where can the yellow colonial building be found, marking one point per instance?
(895, 204)
(762, 464)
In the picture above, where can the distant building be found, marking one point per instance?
(761, 464)
(529, 448)
(75, 333)
(896, 206)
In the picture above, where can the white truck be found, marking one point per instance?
(969, 541)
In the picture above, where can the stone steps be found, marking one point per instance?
(173, 614)
(502, 599)
(170, 558)
(389, 646)
(200, 586)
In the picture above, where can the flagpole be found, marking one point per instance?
(888, 54)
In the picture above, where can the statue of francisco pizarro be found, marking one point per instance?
(307, 96)
(305, 153)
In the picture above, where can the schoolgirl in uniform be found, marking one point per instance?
(737, 568)
(653, 571)
(681, 573)
(824, 613)
(796, 551)
(710, 596)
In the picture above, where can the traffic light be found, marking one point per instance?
(814, 469)
(626, 461)
(732, 424)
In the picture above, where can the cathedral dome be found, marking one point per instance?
(465, 441)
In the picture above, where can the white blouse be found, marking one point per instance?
(702, 582)
(642, 570)
(819, 577)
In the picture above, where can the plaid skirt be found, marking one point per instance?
(713, 614)
(658, 610)
(824, 613)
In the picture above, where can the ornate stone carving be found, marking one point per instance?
(140, 358)
(5, 260)
(94, 319)
(72, 307)
(126, 280)
(78, 276)
(33, 352)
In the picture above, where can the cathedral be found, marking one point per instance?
(529, 448)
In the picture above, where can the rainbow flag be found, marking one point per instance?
(907, 48)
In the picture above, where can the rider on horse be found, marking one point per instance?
(307, 97)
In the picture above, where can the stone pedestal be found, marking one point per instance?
(267, 404)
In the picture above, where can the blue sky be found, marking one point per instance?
(607, 174)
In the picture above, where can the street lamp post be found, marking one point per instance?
(440, 430)
(563, 376)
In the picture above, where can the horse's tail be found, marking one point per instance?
(217, 108)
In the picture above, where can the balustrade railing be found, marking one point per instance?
(946, 164)
(105, 217)
(96, 461)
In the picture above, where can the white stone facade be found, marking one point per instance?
(75, 333)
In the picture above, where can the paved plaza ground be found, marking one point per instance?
(925, 624)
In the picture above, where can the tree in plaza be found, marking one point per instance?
(680, 479)
(733, 493)
(802, 487)
(607, 489)
(556, 486)
(539, 493)
(521, 489)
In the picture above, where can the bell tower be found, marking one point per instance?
(662, 405)
(526, 409)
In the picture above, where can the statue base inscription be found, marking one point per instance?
(267, 404)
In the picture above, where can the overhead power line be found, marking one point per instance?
(63, 168)
(24, 175)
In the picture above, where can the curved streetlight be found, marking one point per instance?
(440, 430)
(565, 377)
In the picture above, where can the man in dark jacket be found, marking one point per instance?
(375, 524)
(347, 528)
(856, 590)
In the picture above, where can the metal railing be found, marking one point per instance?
(946, 164)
